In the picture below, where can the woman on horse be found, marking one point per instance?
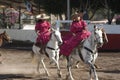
(79, 32)
(42, 29)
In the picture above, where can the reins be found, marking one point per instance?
(93, 41)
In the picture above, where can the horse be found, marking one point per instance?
(4, 37)
(87, 52)
(51, 50)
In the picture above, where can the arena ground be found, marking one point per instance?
(18, 65)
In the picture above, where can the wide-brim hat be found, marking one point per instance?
(42, 16)
(75, 16)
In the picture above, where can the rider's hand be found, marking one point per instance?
(38, 33)
(74, 34)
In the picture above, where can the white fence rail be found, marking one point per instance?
(30, 35)
(22, 35)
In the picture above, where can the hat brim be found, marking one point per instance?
(45, 17)
(75, 16)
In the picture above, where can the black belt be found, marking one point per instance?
(52, 48)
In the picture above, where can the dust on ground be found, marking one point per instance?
(18, 65)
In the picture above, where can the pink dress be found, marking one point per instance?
(73, 41)
(43, 28)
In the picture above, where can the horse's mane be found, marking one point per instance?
(90, 40)
(105, 39)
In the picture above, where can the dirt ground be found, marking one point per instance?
(18, 65)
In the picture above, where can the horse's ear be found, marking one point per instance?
(95, 27)
(103, 29)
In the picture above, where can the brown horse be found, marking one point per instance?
(4, 37)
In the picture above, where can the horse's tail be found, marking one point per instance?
(80, 55)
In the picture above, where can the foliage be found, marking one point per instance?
(91, 6)
(55, 6)
(114, 5)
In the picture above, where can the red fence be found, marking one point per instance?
(113, 43)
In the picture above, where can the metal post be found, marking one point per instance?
(4, 16)
(68, 9)
(20, 17)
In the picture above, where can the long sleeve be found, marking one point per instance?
(36, 26)
(72, 28)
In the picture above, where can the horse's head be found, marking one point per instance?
(98, 35)
(56, 35)
(5, 36)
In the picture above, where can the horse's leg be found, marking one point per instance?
(38, 63)
(95, 57)
(92, 70)
(77, 64)
(97, 67)
(44, 66)
(69, 65)
(56, 61)
(42, 50)
(58, 66)
(0, 59)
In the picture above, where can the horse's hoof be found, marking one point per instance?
(59, 75)
(68, 78)
(97, 67)
(48, 74)
(77, 66)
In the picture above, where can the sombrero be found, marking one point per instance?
(75, 16)
(42, 16)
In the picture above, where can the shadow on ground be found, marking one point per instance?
(11, 76)
(16, 44)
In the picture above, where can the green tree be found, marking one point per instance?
(114, 5)
(58, 7)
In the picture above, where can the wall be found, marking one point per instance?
(113, 33)
(22, 35)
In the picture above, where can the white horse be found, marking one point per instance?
(51, 51)
(87, 52)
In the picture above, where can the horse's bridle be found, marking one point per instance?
(97, 38)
